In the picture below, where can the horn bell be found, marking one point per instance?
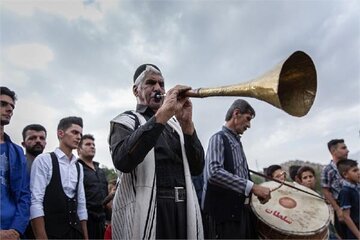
(290, 86)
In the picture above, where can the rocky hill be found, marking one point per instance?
(317, 167)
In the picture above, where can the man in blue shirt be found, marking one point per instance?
(15, 192)
(349, 197)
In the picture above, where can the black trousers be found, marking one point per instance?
(340, 227)
(29, 234)
(171, 219)
(244, 227)
(95, 227)
(72, 233)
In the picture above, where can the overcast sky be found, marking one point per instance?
(66, 58)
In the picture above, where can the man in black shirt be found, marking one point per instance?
(156, 150)
(95, 185)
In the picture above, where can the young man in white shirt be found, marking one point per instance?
(58, 208)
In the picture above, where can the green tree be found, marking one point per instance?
(110, 173)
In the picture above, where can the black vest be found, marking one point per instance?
(221, 203)
(60, 211)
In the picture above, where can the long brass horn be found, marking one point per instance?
(290, 86)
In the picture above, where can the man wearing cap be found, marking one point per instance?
(228, 185)
(156, 150)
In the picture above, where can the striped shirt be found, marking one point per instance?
(214, 171)
(331, 179)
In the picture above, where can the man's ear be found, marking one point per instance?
(236, 112)
(332, 150)
(60, 134)
(23, 144)
(135, 90)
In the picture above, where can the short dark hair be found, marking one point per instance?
(271, 169)
(142, 68)
(242, 105)
(305, 169)
(86, 136)
(332, 143)
(344, 165)
(65, 123)
(34, 127)
(8, 92)
(293, 169)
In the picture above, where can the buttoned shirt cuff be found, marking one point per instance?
(151, 123)
(249, 185)
(190, 138)
(82, 215)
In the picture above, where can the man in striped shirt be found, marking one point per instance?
(228, 185)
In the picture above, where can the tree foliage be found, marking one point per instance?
(110, 173)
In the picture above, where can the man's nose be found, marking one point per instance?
(157, 86)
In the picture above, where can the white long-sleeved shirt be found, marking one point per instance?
(41, 173)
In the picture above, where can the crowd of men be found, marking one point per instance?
(158, 155)
(50, 195)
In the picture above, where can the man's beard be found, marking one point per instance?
(4, 122)
(35, 150)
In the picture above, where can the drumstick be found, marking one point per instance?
(286, 184)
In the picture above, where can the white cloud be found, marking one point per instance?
(96, 46)
(33, 109)
(121, 98)
(14, 77)
(29, 56)
(319, 125)
(96, 103)
(74, 9)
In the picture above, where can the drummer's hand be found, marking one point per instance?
(263, 193)
(340, 214)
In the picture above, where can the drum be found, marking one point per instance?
(291, 214)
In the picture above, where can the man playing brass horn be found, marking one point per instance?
(156, 154)
(228, 186)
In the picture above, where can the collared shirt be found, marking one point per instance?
(129, 147)
(214, 164)
(331, 179)
(28, 165)
(95, 185)
(349, 199)
(41, 173)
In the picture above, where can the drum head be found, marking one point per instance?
(292, 212)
